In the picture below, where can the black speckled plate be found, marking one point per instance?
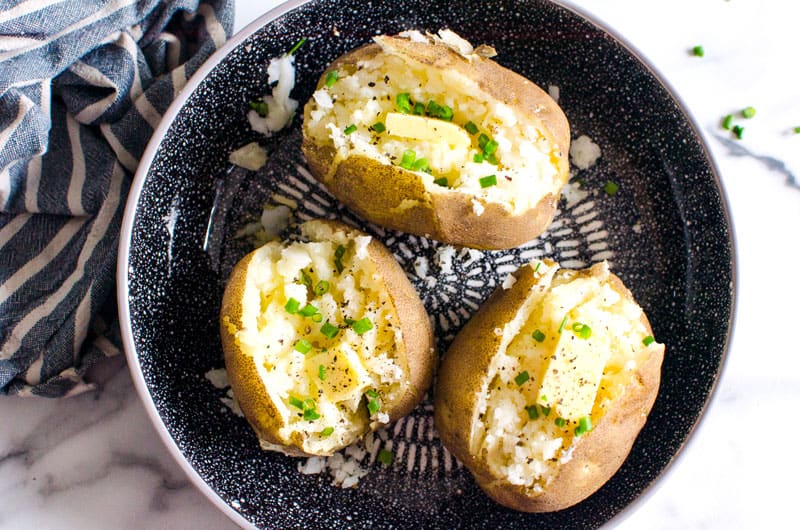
(666, 233)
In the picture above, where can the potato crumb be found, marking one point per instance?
(584, 152)
(554, 92)
(509, 282)
(251, 156)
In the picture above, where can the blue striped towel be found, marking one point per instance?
(83, 85)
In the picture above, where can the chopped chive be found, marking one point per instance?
(404, 102)
(297, 46)
(316, 317)
(648, 340)
(337, 258)
(408, 159)
(797, 129)
(433, 108)
(261, 108)
(323, 286)
(611, 188)
(748, 112)
(698, 51)
(308, 310)
(327, 431)
(483, 140)
(471, 127)
(738, 130)
(545, 410)
(491, 158)
(331, 78)
(371, 393)
(522, 378)
(533, 412)
(309, 404)
(420, 164)
(563, 323)
(373, 403)
(419, 109)
(350, 129)
(490, 147)
(537, 267)
(560, 422)
(321, 372)
(446, 113)
(442, 181)
(385, 457)
(538, 336)
(488, 181)
(478, 158)
(310, 414)
(292, 306)
(727, 122)
(303, 346)
(296, 402)
(329, 330)
(543, 399)
(306, 279)
(349, 321)
(378, 127)
(362, 326)
(584, 426)
(582, 330)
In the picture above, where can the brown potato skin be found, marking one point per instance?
(598, 454)
(375, 191)
(420, 354)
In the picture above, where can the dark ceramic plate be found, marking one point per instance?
(666, 233)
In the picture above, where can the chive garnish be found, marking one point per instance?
(378, 127)
(563, 323)
(329, 330)
(404, 102)
(327, 431)
(471, 127)
(433, 108)
(337, 258)
(538, 336)
(698, 51)
(441, 181)
(306, 279)
(533, 412)
(385, 457)
(331, 78)
(310, 414)
(560, 422)
(446, 113)
(420, 164)
(611, 188)
(261, 108)
(477, 158)
(545, 410)
(373, 403)
(483, 140)
(350, 129)
(648, 340)
(727, 122)
(797, 130)
(316, 317)
(537, 267)
(308, 310)
(584, 426)
(491, 158)
(292, 306)
(362, 326)
(490, 147)
(582, 330)
(488, 181)
(297, 46)
(303, 346)
(419, 108)
(522, 378)
(321, 372)
(748, 112)
(296, 402)
(408, 159)
(322, 287)
(738, 130)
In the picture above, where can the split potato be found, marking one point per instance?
(427, 135)
(324, 339)
(544, 391)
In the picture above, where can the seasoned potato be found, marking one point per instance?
(426, 135)
(324, 340)
(544, 390)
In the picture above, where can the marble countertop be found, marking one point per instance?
(96, 462)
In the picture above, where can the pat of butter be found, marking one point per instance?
(345, 378)
(426, 129)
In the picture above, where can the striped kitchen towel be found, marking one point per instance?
(83, 85)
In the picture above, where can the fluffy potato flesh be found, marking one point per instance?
(569, 350)
(439, 119)
(318, 323)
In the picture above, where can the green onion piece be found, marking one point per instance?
(797, 130)
(373, 403)
(306, 279)
(488, 181)
(582, 330)
(490, 147)
(371, 393)
(419, 108)
(316, 317)
(563, 323)
(308, 310)
(533, 412)
(323, 286)
(522, 378)
(537, 267)
(310, 414)
(408, 159)
(738, 130)
(483, 140)
(446, 113)
(362, 326)
(321, 372)
(492, 159)
(442, 181)
(560, 422)
(538, 336)
(385, 457)
(303, 346)
(331, 78)
(295, 402)
(545, 410)
(261, 108)
(329, 330)
(350, 129)
(349, 321)
(698, 51)
(471, 127)
(420, 164)
(611, 188)
(584, 426)
(297, 46)
(337, 258)
(433, 108)
(748, 112)
(378, 127)
(543, 399)
(478, 158)
(309, 404)
(727, 122)
(292, 306)
(404, 102)
(648, 340)
(327, 431)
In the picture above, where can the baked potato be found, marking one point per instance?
(545, 389)
(324, 339)
(427, 135)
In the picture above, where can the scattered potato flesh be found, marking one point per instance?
(527, 162)
(332, 378)
(569, 378)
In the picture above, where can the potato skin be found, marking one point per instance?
(258, 409)
(376, 191)
(597, 455)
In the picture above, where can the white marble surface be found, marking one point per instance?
(95, 461)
